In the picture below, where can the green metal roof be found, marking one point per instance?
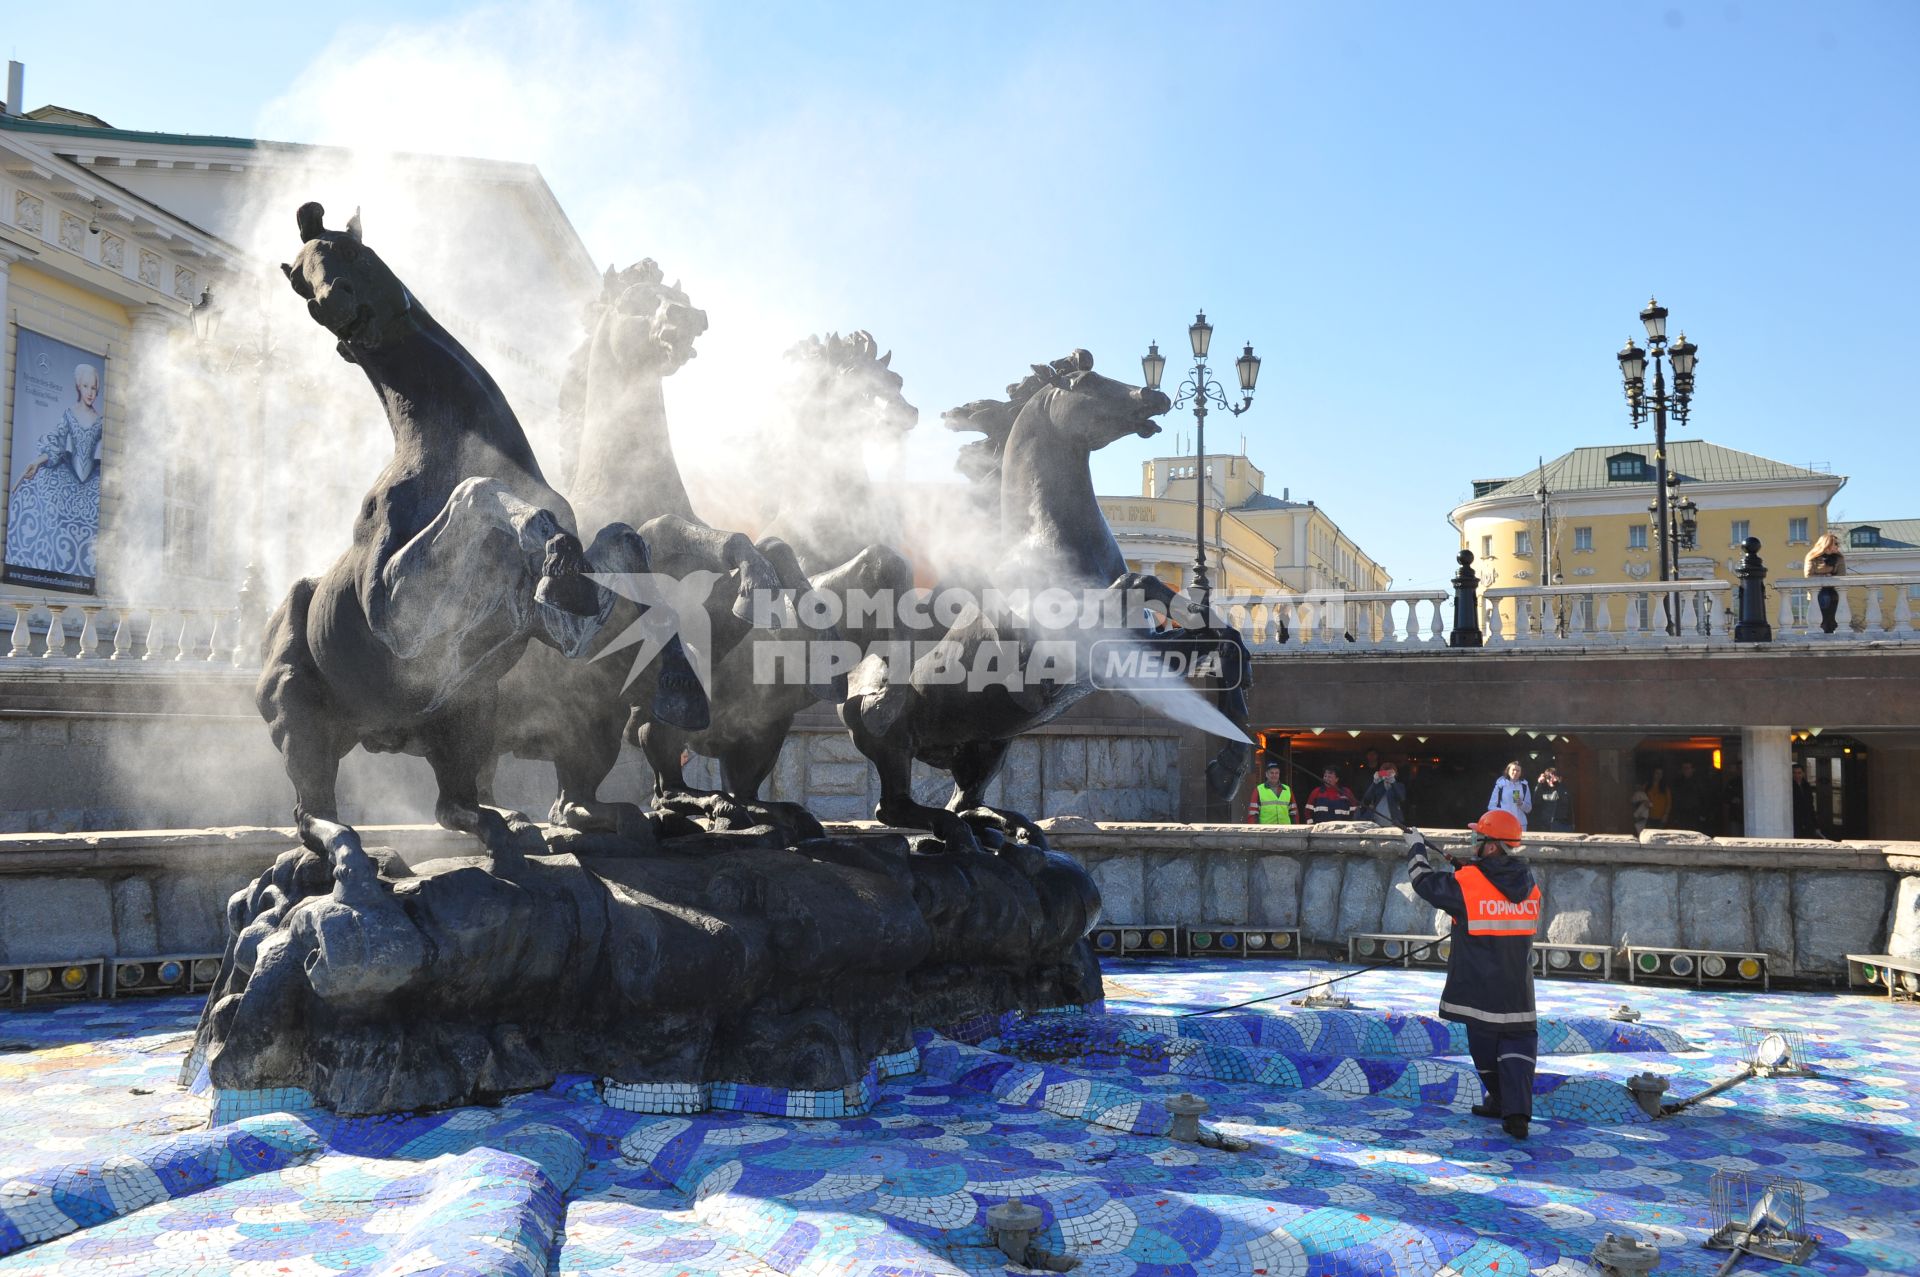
(19, 124)
(1694, 460)
(1895, 534)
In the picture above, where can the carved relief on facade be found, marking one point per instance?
(1583, 571)
(27, 212)
(113, 251)
(1637, 571)
(73, 233)
(183, 283)
(149, 268)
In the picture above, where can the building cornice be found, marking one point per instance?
(1630, 498)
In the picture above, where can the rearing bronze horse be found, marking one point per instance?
(461, 554)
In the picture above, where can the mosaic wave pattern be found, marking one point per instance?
(1335, 1182)
(1143, 1046)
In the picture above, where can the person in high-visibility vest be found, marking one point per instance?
(1495, 906)
(1272, 801)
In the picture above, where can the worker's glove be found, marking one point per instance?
(1416, 840)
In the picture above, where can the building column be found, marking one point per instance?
(1766, 765)
(133, 558)
(1603, 797)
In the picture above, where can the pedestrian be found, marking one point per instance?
(1554, 801)
(1659, 798)
(1806, 821)
(1642, 808)
(1825, 559)
(1364, 771)
(1272, 801)
(1330, 800)
(1386, 795)
(1495, 906)
(1511, 793)
(1693, 801)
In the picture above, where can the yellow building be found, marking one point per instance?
(1595, 530)
(1256, 543)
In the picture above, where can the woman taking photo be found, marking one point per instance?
(1825, 559)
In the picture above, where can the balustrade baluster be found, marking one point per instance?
(122, 634)
(1902, 609)
(225, 620)
(56, 632)
(1875, 622)
(1844, 615)
(89, 634)
(189, 627)
(1495, 632)
(156, 635)
(1437, 635)
(22, 635)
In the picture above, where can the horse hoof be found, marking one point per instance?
(562, 583)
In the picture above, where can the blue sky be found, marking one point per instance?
(1436, 223)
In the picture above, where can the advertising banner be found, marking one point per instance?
(53, 481)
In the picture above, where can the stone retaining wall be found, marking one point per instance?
(1804, 904)
(135, 894)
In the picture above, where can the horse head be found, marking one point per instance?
(350, 292)
(846, 383)
(1080, 405)
(649, 325)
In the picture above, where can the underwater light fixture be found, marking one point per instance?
(1765, 1218)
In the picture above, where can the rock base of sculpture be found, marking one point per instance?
(713, 970)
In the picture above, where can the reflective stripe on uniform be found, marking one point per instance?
(1491, 1017)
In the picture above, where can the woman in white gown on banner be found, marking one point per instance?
(54, 511)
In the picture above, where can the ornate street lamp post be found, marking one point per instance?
(1200, 389)
(1642, 402)
(1682, 528)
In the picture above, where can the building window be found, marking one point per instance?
(1796, 531)
(186, 542)
(1636, 536)
(1742, 529)
(1486, 547)
(1628, 467)
(1583, 540)
(1863, 538)
(1523, 542)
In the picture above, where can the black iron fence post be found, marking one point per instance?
(1466, 604)
(1752, 626)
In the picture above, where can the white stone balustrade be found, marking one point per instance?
(1871, 608)
(1385, 620)
(1608, 615)
(52, 630)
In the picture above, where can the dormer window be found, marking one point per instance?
(1863, 538)
(1626, 467)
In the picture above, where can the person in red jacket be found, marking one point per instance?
(1330, 800)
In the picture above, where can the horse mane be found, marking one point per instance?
(979, 460)
(840, 353)
(573, 384)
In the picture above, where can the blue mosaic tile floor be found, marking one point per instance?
(1363, 1158)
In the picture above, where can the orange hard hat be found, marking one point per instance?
(1501, 825)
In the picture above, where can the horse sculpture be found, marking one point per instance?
(844, 388)
(461, 555)
(845, 401)
(1039, 442)
(640, 331)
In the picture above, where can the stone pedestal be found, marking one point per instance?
(710, 961)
